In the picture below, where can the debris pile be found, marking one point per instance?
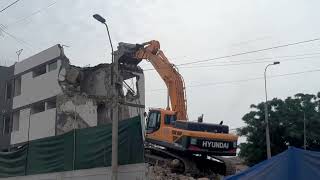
(162, 173)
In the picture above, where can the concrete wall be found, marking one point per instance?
(86, 111)
(22, 134)
(126, 172)
(6, 74)
(34, 89)
(40, 58)
(43, 124)
(76, 111)
(96, 80)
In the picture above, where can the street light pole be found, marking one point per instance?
(115, 108)
(103, 21)
(304, 131)
(112, 56)
(266, 110)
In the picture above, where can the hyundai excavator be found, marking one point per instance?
(192, 146)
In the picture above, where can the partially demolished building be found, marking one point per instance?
(55, 118)
(45, 95)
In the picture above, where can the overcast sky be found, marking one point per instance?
(187, 31)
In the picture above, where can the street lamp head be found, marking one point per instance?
(99, 18)
(276, 62)
(103, 21)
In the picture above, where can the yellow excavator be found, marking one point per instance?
(192, 145)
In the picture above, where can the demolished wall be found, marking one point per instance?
(75, 112)
(87, 95)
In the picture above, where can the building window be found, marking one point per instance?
(39, 71)
(38, 107)
(8, 90)
(17, 86)
(15, 121)
(52, 66)
(6, 125)
(51, 103)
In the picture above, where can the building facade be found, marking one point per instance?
(45, 95)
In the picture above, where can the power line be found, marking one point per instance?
(9, 6)
(245, 63)
(277, 57)
(251, 61)
(18, 40)
(256, 78)
(32, 14)
(247, 52)
(250, 52)
(242, 80)
(240, 43)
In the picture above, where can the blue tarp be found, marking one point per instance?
(292, 164)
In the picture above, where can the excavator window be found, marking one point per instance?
(153, 123)
(170, 119)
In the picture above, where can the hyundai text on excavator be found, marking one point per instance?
(193, 146)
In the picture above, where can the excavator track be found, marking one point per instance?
(195, 166)
(230, 168)
(157, 156)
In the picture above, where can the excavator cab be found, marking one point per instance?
(159, 126)
(158, 120)
(154, 120)
(164, 129)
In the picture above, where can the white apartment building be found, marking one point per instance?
(51, 97)
(35, 91)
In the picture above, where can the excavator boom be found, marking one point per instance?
(172, 78)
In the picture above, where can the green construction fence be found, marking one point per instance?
(75, 150)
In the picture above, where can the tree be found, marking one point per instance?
(286, 119)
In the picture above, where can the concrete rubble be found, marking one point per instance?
(86, 98)
(163, 173)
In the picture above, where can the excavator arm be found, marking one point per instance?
(172, 78)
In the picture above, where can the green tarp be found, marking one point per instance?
(130, 145)
(78, 149)
(52, 154)
(13, 163)
(98, 154)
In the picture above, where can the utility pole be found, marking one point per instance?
(304, 131)
(18, 53)
(115, 119)
(115, 103)
(266, 110)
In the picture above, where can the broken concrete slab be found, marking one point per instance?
(87, 93)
